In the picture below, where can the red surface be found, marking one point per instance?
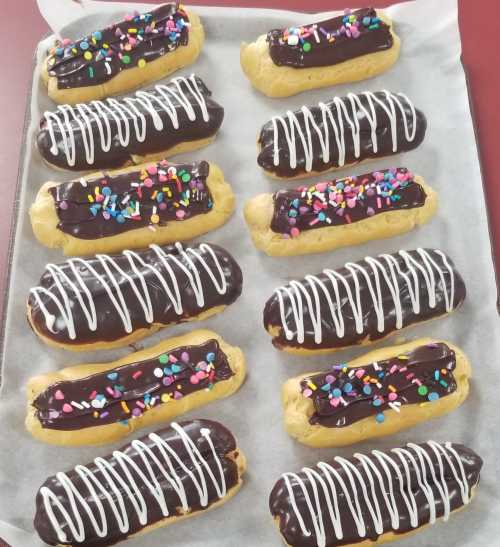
(480, 55)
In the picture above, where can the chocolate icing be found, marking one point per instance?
(383, 136)
(109, 324)
(331, 44)
(157, 140)
(136, 199)
(130, 390)
(346, 200)
(365, 389)
(330, 336)
(118, 47)
(281, 509)
(224, 443)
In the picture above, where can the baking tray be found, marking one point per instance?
(429, 71)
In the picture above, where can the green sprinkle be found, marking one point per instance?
(126, 59)
(91, 71)
(163, 359)
(422, 390)
(306, 47)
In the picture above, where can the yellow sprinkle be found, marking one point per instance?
(391, 388)
(125, 407)
(312, 386)
(96, 190)
(87, 55)
(444, 371)
(155, 193)
(155, 219)
(403, 357)
(132, 31)
(165, 398)
(105, 46)
(90, 198)
(95, 414)
(141, 63)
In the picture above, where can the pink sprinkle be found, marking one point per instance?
(172, 358)
(53, 414)
(393, 369)
(162, 178)
(392, 396)
(355, 32)
(148, 183)
(185, 357)
(307, 392)
(140, 404)
(66, 42)
(370, 211)
(151, 169)
(402, 176)
(360, 373)
(321, 186)
(335, 402)
(93, 394)
(194, 379)
(330, 379)
(351, 203)
(177, 395)
(136, 374)
(180, 213)
(410, 376)
(99, 198)
(59, 395)
(379, 203)
(162, 206)
(136, 412)
(168, 380)
(202, 365)
(67, 408)
(110, 390)
(201, 374)
(294, 232)
(378, 176)
(63, 205)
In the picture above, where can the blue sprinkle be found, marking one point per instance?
(326, 387)
(97, 35)
(322, 216)
(112, 376)
(106, 191)
(176, 368)
(339, 186)
(377, 402)
(84, 45)
(380, 418)
(433, 396)
(210, 357)
(367, 390)
(168, 371)
(120, 218)
(347, 387)
(292, 213)
(436, 375)
(366, 21)
(159, 197)
(100, 397)
(337, 393)
(59, 51)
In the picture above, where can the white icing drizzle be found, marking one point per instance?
(383, 269)
(125, 113)
(382, 469)
(114, 487)
(336, 121)
(76, 297)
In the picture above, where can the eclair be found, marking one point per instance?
(363, 301)
(162, 478)
(380, 393)
(172, 118)
(110, 301)
(375, 497)
(140, 49)
(345, 48)
(339, 133)
(339, 213)
(106, 212)
(94, 404)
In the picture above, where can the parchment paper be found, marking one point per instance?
(429, 71)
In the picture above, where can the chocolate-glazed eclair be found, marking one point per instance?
(375, 497)
(342, 132)
(104, 402)
(377, 394)
(339, 213)
(171, 118)
(107, 212)
(113, 300)
(126, 55)
(354, 46)
(363, 301)
(157, 480)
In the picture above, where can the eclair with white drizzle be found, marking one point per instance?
(106, 212)
(132, 53)
(93, 404)
(339, 213)
(171, 118)
(357, 45)
(375, 497)
(160, 479)
(110, 301)
(363, 302)
(377, 394)
(340, 133)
